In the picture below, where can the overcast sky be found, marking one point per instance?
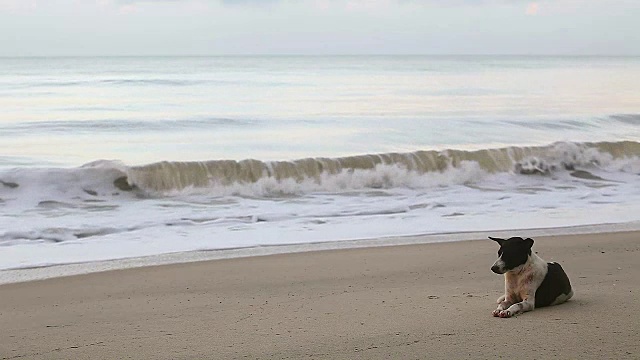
(218, 27)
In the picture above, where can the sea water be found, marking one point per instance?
(128, 157)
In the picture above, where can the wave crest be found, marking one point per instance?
(375, 170)
(419, 169)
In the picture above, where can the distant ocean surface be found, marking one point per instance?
(116, 157)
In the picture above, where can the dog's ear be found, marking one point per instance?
(529, 242)
(498, 240)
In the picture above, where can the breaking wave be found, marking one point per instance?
(414, 169)
(419, 169)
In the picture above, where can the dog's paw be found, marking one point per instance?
(496, 312)
(505, 314)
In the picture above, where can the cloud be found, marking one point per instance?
(126, 2)
(17, 6)
(248, 2)
(533, 9)
(367, 3)
(184, 2)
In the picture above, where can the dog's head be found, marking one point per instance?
(513, 252)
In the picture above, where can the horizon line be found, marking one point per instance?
(318, 55)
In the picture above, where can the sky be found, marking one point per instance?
(318, 27)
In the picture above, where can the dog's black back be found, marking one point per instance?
(556, 284)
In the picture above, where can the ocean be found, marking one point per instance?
(112, 158)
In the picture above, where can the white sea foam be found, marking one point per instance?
(61, 216)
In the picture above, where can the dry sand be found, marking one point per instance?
(402, 302)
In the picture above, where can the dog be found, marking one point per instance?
(529, 281)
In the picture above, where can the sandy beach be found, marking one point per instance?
(430, 301)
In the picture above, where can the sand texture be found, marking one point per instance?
(402, 302)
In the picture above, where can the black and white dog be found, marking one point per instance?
(529, 281)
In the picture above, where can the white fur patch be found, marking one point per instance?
(562, 298)
(500, 265)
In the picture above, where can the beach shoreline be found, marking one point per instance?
(14, 275)
(406, 301)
